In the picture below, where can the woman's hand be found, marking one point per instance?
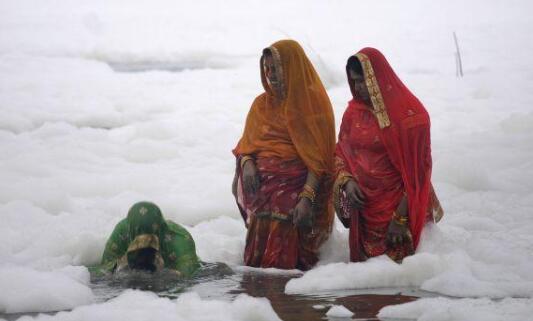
(250, 177)
(397, 233)
(355, 197)
(302, 212)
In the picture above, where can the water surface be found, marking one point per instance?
(220, 282)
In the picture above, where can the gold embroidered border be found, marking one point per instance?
(279, 68)
(280, 216)
(273, 215)
(144, 241)
(262, 214)
(375, 93)
(342, 179)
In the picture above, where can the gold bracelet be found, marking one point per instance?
(401, 220)
(244, 159)
(310, 190)
(307, 195)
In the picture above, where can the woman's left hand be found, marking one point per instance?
(301, 214)
(397, 233)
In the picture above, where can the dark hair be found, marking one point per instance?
(355, 65)
(267, 52)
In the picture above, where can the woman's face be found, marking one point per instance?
(359, 85)
(271, 75)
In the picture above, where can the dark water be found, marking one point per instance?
(218, 281)
(301, 307)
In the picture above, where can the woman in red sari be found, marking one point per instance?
(383, 190)
(285, 163)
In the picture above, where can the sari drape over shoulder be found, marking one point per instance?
(386, 149)
(288, 137)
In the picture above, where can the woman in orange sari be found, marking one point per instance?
(285, 163)
(383, 190)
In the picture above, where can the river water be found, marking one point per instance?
(218, 281)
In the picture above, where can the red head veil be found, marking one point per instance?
(405, 130)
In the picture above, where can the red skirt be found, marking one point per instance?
(272, 239)
(368, 240)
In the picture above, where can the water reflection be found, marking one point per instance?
(218, 281)
(313, 307)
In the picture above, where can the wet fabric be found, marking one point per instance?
(288, 139)
(272, 239)
(386, 149)
(143, 228)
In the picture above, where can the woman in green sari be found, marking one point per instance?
(144, 240)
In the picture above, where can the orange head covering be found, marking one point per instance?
(301, 125)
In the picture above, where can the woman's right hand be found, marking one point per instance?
(355, 197)
(250, 177)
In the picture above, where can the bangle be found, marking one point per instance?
(310, 190)
(309, 193)
(304, 194)
(244, 159)
(401, 220)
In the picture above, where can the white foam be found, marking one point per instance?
(444, 309)
(452, 263)
(29, 290)
(220, 239)
(137, 305)
(339, 311)
(82, 140)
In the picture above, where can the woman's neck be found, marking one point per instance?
(276, 101)
(366, 102)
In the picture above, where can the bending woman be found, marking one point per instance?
(383, 190)
(285, 163)
(144, 240)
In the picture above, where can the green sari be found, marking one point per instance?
(143, 228)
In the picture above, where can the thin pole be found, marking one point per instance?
(458, 62)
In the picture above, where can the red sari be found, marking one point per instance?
(272, 239)
(386, 149)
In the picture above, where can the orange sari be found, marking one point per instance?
(287, 140)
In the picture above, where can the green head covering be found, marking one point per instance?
(145, 218)
(145, 225)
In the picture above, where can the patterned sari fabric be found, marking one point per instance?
(385, 148)
(287, 140)
(143, 228)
